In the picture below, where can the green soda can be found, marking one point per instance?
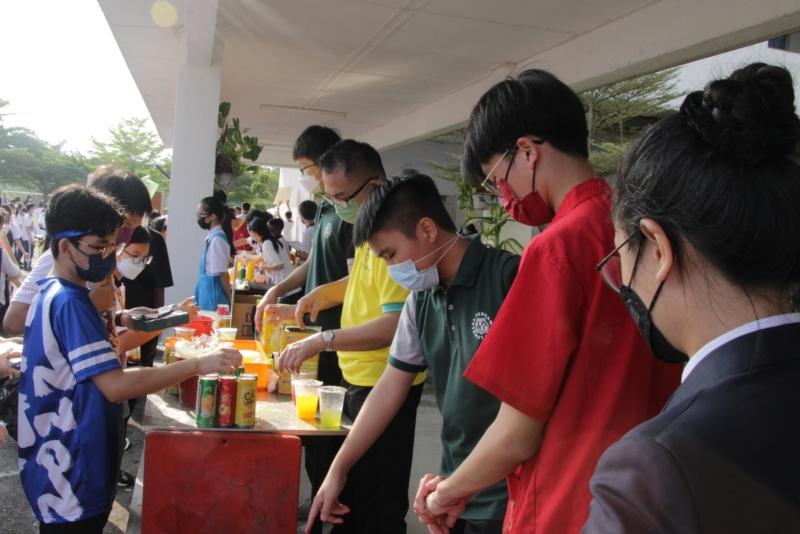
(170, 357)
(206, 407)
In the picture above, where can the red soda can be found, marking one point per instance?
(226, 406)
(223, 309)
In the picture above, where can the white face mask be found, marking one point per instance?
(129, 269)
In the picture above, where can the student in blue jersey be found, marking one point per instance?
(457, 287)
(72, 382)
(213, 285)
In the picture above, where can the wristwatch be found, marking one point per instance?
(327, 337)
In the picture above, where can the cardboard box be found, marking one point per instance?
(242, 313)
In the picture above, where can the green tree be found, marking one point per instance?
(30, 163)
(258, 188)
(618, 113)
(131, 144)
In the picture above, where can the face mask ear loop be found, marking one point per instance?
(437, 249)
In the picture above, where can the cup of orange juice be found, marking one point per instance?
(306, 398)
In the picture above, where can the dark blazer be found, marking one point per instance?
(722, 457)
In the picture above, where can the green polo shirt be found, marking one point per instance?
(332, 247)
(440, 330)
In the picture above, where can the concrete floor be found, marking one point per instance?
(16, 516)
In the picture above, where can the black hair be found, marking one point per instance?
(220, 195)
(399, 204)
(84, 209)
(536, 103)
(314, 141)
(308, 210)
(139, 235)
(124, 186)
(160, 224)
(719, 175)
(356, 159)
(214, 206)
(246, 206)
(288, 215)
(256, 213)
(276, 224)
(262, 227)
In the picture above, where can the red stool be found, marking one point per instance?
(210, 482)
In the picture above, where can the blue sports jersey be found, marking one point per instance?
(68, 431)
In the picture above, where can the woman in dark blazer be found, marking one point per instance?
(707, 217)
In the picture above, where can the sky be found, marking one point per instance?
(66, 79)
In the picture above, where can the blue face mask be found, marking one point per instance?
(407, 275)
(347, 213)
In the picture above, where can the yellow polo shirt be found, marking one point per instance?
(371, 292)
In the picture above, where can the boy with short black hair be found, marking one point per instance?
(72, 381)
(457, 287)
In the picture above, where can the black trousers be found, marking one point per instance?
(469, 526)
(377, 486)
(320, 452)
(93, 525)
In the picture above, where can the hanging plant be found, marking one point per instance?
(233, 146)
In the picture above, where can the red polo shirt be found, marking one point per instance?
(564, 350)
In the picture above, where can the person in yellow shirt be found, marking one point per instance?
(375, 498)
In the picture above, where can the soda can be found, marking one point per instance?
(226, 403)
(206, 407)
(246, 401)
(223, 309)
(169, 357)
(284, 377)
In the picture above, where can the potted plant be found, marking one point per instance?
(479, 207)
(233, 146)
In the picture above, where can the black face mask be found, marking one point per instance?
(658, 344)
(99, 268)
(202, 223)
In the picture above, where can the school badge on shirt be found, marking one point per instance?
(480, 325)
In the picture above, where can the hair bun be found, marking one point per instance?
(749, 115)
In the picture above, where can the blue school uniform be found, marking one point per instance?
(208, 291)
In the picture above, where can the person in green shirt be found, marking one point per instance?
(328, 259)
(457, 285)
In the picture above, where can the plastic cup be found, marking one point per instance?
(226, 334)
(223, 321)
(184, 332)
(306, 395)
(302, 375)
(331, 402)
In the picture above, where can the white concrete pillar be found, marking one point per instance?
(193, 144)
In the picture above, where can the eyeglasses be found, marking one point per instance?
(104, 252)
(138, 260)
(343, 201)
(488, 184)
(303, 169)
(610, 267)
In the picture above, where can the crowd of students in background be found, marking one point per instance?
(632, 371)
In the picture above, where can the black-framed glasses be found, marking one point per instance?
(343, 201)
(610, 267)
(104, 252)
(306, 167)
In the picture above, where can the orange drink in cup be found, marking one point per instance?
(306, 398)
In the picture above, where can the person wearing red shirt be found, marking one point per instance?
(563, 356)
